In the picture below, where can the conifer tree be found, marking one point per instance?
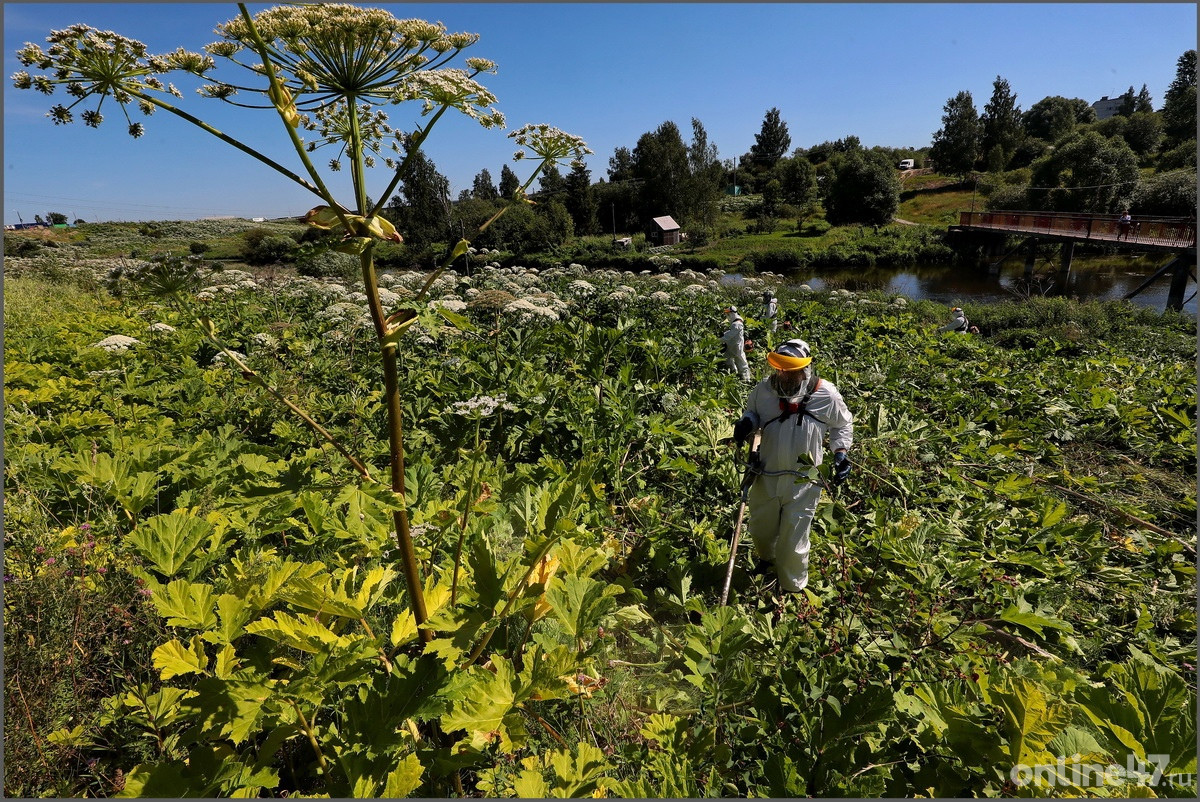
(955, 146)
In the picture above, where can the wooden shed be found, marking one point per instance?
(664, 231)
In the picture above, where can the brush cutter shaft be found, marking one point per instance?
(747, 480)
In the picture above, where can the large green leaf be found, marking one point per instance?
(169, 541)
(1032, 718)
(185, 604)
(174, 658)
(1034, 622)
(481, 700)
(299, 632)
(579, 603)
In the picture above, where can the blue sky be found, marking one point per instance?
(608, 72)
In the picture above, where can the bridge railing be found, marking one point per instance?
(1176, 232)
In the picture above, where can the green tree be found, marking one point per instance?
(508, 182)
(1001, 125)
(798, 180)
(55, 218)
(1085, 173)
(864, 188)
(580, 200)
(1128, 103)
(1169, 194)
(1179, 102)
(772, 197)
(660, 162)
(470, 214)
(551, 226)
(421, 211)
(1053, 117)
(955, 146)
(482, 188)
(1143, 133)
(706, 176)
(771, 142)
(552, 184)
(616, 206)
(1144, 102)
(620, 165)
(1180, 156)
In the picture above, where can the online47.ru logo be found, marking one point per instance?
(1074, 772)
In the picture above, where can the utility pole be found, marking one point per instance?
(612, 207)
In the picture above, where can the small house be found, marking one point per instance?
(664, 231)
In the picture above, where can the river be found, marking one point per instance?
(966, 285)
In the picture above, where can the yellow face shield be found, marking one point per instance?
(782, 362)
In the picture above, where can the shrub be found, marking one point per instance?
(270, 249)
(779, 260)
(254, 236)
(1008, 197)
(1170, 194)
(21, 246)
(815, 228)
(326, 264)
(199, 247)
(1179, 157)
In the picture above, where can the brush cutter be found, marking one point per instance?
(748, 477)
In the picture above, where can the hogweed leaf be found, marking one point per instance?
(185, 604)
(304, 633)
(169, 541)
(174, 658)
(404, 779)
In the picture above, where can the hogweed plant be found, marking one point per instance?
(333, 74)
(331, 70)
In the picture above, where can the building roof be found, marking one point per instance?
(666, 223)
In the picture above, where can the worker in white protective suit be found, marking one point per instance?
(959, 323)
(794, 410)
(771, 310)
(735, 344)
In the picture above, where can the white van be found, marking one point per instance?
(907, 164)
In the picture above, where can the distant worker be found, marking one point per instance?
(771, 310)
(1124, 225)
(794, 409)
(735, 344)
(959, 323)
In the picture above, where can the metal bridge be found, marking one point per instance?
(1145, 235)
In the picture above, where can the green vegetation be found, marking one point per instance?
(201, 594)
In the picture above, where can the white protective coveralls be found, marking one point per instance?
(958, 321)
(771, 310)
(781, 509)
(735, 346)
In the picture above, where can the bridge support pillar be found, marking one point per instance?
(1030, 257)
(1183, 269)
(1068, 251)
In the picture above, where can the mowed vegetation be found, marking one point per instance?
(202, 595)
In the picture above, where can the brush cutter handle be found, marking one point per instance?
(747, 480)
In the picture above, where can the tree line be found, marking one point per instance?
(1055, 155)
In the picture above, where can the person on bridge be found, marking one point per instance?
(794, 409)
(959, 323)
(735, 344)
(1124, 225)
